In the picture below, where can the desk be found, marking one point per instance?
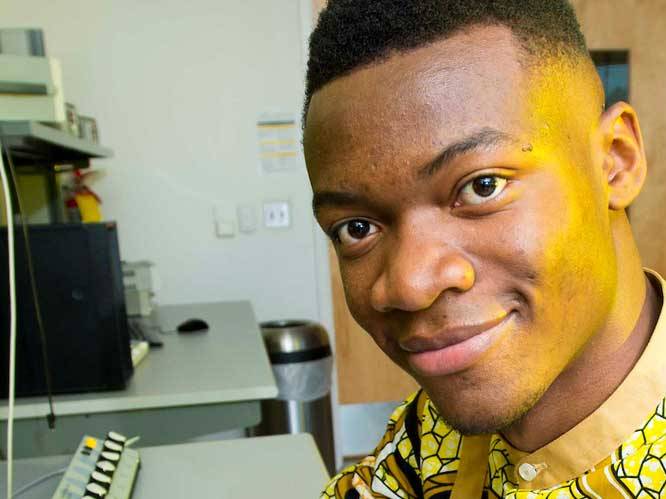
(286, 466)
(195, 384)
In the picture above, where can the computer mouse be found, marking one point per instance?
(192, 326)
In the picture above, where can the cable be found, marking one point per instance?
(39, 480)
(132, 441)
(50, 418)
(12, 324)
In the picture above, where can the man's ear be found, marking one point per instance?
(624, 160)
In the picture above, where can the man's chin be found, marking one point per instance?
(474, 425)
(483, 415)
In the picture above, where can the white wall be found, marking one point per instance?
(176, 88)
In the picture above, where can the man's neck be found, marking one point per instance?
(589, 381)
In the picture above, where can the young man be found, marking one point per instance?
(475, 190)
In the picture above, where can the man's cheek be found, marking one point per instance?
(357, 285)
(373, 324)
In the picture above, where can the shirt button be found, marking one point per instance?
(527, 471)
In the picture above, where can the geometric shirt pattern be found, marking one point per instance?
(419, 456)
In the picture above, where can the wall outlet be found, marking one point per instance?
(276, 215)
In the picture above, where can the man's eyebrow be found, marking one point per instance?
(336, 198)
(484, 137)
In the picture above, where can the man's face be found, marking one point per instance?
(470, 220)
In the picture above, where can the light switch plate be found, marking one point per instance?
(224, 228)
(247, 218)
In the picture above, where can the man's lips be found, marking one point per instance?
(453, 349)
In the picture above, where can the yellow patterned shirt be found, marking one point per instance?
(619, 451)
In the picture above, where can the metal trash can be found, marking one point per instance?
(300, 355)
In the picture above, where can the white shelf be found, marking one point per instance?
(32, 143)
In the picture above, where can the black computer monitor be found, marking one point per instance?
(80, 289)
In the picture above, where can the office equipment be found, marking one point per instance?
(195, 385)
(88, 129)
(141, 329)
(252, 468)
(71, 124)
(31, 89)
(22, 41)
(33, 143)
(138, 282)
(29, 75)
(30, 143)
(77, 271)
(192, 326)
(139, 350)
(138, 302)
(31, 107)
(100, 468)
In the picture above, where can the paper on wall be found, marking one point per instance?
(278, 137)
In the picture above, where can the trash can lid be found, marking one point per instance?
(295, 340)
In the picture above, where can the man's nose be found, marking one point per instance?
(417, 272)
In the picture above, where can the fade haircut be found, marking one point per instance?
(355, 33)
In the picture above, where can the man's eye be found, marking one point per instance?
(482, 189)
(353, 231)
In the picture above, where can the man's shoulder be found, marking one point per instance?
(416, 444)
(413, 420)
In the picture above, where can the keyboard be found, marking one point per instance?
(100, 468)
(139, 349)
(140, 330)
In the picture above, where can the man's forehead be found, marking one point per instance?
(483, 51)
(437, 93)
(416, 103)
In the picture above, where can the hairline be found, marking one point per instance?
(534, 55)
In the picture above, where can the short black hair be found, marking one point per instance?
(355, 33)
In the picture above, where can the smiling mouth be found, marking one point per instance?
(454, 349)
